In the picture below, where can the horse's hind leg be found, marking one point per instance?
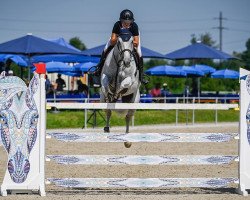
(108, 115)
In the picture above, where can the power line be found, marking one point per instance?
(99, 22)
(240, 20)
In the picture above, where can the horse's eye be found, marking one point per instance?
(3, 119)
(34, 120)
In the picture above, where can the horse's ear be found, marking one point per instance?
(34, 83)
(9, 87)
(3, 74)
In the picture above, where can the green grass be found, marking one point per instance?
(75, 119)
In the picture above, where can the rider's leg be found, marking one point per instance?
(141, 72)
(99, 66)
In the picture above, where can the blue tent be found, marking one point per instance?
(165, 70)
(30, 45)
(146, 53)
(84, 67)
(205, 68)
(62, 42)
(225, 73)
(198, 51)
(191, 72)
(15, 58)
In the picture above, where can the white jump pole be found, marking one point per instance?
(244, 141)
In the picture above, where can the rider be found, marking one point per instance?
(126, 22)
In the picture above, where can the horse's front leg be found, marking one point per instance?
(128, 119)
(108, 115)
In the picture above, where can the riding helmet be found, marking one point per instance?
(126, 15)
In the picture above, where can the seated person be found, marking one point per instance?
(156, 92)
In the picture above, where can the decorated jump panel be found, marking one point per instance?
(142, 160)
(142, 182)
(20, 128)
(143, 137)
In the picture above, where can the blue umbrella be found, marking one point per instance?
(191, 71)
(165, 70)
(205, 68)
(84, 67)
(53, 67)
(30, 45)
(225, 73)
(198, 51)
(146, 53)
(68, 58)
(75, 74)
(15, 58)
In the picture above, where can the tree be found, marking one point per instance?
(77, 43)
(246, 55)
(205, 39)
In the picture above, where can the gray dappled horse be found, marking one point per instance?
(18, 123)
(120, 78)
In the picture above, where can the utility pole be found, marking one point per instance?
(220, 27)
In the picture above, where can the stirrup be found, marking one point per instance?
(95, 70)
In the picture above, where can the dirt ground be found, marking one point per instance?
(54, 170)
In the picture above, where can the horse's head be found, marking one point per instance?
(18, 123)
(125, 47)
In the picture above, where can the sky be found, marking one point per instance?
(165, 25)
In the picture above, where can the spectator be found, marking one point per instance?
(156, 92)
(165, 90)
(60, 83)
(82, 88)
(186, 91)
(48, 86)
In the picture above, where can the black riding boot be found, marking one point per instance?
(141, 72)
(99, 66)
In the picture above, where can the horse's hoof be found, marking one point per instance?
(127, 144)
(106, 129)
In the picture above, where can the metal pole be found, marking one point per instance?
(193, 111)
(85, 115)
(216, 112)
(176, 113)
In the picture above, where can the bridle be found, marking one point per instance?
(121, 55)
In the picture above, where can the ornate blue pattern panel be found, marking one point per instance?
(18, 123)
(142, 182)
(142, 160)
(143, 137)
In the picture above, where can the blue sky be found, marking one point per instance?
(165, 25)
